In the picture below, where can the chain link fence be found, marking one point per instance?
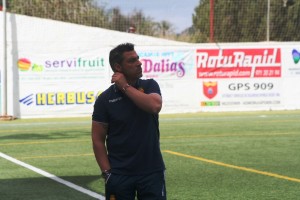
(213, 20)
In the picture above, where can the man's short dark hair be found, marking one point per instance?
(116, 54)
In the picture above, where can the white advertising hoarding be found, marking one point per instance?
(62, 69)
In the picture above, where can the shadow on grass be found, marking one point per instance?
(46, 136)
(46, 189)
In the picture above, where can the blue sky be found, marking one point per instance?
(177, 12)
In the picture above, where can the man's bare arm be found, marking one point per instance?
(99, 131)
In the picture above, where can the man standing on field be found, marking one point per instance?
(125, 131)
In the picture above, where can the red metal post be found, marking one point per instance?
(211, 21)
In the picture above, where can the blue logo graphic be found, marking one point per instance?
(296, 56)
(27, 100)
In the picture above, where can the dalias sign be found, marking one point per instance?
(167, 64)
(164, 66)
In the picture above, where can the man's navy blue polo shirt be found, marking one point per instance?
(133, 135)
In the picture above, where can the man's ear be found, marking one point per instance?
(118, 67)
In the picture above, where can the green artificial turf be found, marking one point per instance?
(230, 155)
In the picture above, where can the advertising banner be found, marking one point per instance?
(60, 69)
(241, 94)
(174, 69)
(169, 64)
(247, 78)
(291, 60)
(61, 85)
(238, 63)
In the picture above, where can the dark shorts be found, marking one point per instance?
(145, 187)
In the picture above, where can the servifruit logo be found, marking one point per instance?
(24, 64)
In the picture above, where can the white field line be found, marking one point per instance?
(53, 177)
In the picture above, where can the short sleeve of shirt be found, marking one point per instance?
(100, 109)
(152, 87)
